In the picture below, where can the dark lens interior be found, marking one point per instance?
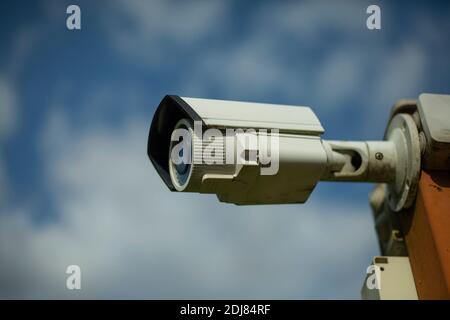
(182, 167)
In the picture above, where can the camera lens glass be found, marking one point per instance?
(181, 167)
(180, 154)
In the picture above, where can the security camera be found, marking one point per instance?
(254, 153)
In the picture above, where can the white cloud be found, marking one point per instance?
(8, 108)
(19, 53)
(8, 125)
(256, 66)
(307, 22)
(134, 238)
(148, 31)
(10, 113)
(338, 77)
(401, 76)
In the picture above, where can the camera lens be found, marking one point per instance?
(180, 154)
(182, 168)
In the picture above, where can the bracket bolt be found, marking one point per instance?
(379, 156)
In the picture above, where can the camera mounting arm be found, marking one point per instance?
(395, 161)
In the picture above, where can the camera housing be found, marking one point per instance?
(302, 159)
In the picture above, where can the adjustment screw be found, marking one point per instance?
(379, 156)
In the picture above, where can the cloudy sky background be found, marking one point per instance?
(76, 186)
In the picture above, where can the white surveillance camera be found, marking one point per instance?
(255, 153)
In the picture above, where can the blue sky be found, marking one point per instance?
(76, 186)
